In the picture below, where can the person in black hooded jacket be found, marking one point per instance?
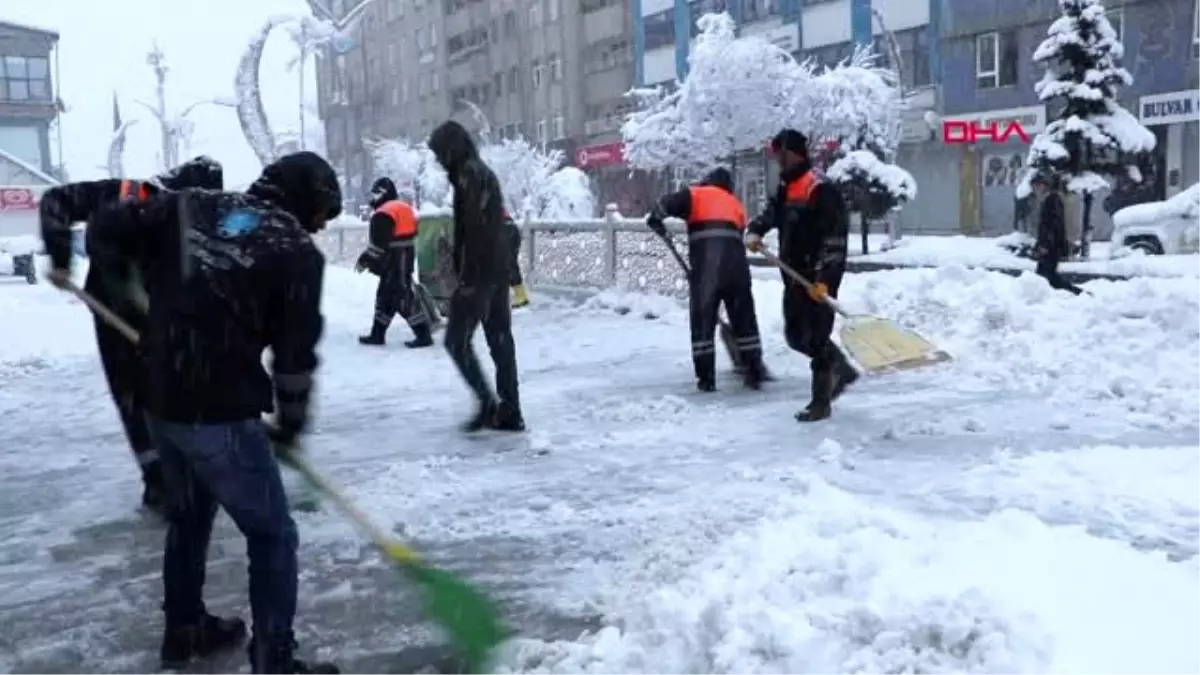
(718, 273)
(116, 285)
(482, 265)
(238, 274)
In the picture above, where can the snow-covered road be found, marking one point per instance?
(1032, 506)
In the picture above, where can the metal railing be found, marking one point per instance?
(608, 252)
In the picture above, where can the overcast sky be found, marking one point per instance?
(103, 48)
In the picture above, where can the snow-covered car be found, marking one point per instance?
(1156, 228)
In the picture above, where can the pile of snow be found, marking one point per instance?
(1183, 206)
(832, 583)
(1127, 350)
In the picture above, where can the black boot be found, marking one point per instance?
(820, 407)
(422, 337)
(209, 636)
(507, 417)
(484, 417)
(845, 374)
(754, 374)
(706, 383)
(377, 336)
(281, 659)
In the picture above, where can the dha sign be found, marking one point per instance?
(961, 131)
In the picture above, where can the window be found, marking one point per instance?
(559, 128)
(754, 10)
(535, 13)
(404, 91)
(589, 6)
(498, 84)
(25, 78)
(432, 36)
(435, 81)
(396, 96)
(514, 79)
(535, 75)
(552, 10)
(1116, 18)
(1196, 33)
(541, 131)
(995, 60)
(918, 65)
(422, 43)
(422, 85)
(556, 68)
(510, 23)
(659, 29)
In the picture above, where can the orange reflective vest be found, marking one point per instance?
(134, 189)
(800, 190)
(404, 219)
(714, 206)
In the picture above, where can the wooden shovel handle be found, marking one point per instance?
(805, 283)
(101, 310)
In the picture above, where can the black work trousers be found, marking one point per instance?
(1048, 269)
(720, 275)
(124, 372)
(396, 293)
(485, 304)
(514, 244)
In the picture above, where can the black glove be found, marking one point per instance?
(656, 225)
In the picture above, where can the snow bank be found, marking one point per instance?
(1129, 349)
(832, 583)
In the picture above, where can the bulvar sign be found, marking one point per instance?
(1169, 108)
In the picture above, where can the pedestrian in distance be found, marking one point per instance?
(391, 255)
(231, 274)
(813, 224)
(119, 286)
(718, 273)
(482, 265)
(1052, 245)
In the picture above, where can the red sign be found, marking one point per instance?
(17, 199)
(960, 131)
(597, 156)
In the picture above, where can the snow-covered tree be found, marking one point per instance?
(856, 105)
(1092, 136)
(533, 179)
(736, 94)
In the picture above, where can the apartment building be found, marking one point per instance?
(552, 71)
(28, 105)
(989, 76)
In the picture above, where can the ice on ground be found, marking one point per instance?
(1030, 506)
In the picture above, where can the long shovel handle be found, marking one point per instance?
(397, 551)
(805, 283)
(101, 310)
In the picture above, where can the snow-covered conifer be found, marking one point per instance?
(1090, 136)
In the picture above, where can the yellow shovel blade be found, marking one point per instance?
(879, 344)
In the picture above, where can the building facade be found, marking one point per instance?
(989, 76)
(826, 31)
(552, 71)
(28, 103)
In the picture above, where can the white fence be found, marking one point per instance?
(608, 252)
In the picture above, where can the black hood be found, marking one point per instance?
(719, 177)
(383, 190)
(201, 172)
(452, 145)
(303, 184)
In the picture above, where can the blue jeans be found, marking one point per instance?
(231, 465)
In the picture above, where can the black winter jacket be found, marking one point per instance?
(813, 231)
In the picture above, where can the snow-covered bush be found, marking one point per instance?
(872, 185)
(533, 180)
(1092, 136)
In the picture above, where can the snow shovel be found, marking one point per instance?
(469, 618)
(877, 344)
(723, 329)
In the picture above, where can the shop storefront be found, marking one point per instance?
(1174, 117)
(612, 181)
